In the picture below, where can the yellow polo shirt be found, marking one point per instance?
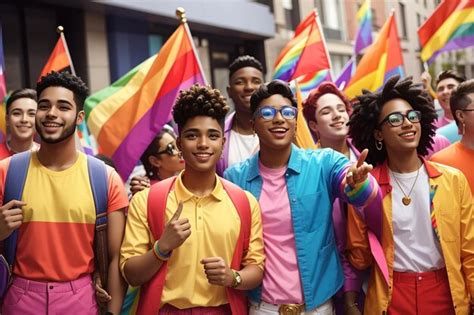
(215, 227)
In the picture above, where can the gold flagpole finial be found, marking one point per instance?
(181, 14)
(59, 29)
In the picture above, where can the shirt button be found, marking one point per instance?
(199, 206)
(419, 278)
(199, 218)
(294, 200)
(51, 287)
(287, 174)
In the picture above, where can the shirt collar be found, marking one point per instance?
(382, 177)
(183, 194)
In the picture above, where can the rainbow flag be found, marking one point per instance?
(125, 117)
(59, 60)
(382, 60)
(303, 138)
(305, 53)
(3, 91)
(364, 35)
(450, 27)
(310, 81)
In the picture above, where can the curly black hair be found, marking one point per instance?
(271, 88)
(17, 94)
(242, 62)
(68, 81)
(365, 117)
(200, 100)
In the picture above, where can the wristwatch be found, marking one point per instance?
(237, 280)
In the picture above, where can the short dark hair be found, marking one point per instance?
(152, 150)
(460, 99)
(68, 81)
(20, 93)
(450, 74)
(242, 62)
(268, 89)
(309, 105)
(200, 100)
(365, 118)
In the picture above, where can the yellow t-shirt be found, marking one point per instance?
(215, 227)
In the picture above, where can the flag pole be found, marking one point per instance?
(60, 30)
(181, 14)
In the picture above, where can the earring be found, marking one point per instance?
(378, 145)
(463, 128)
(180, 155)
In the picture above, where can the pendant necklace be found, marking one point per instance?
(406, 200)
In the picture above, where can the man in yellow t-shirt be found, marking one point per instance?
(198, 242)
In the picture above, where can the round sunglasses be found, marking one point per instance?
(396, 119)
(170, 149)
(269, 112)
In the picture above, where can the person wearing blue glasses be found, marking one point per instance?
(296, 189)
(418, 234)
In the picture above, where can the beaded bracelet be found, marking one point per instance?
(159, 254)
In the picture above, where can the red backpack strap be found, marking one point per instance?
(237, 299)
(150, 293)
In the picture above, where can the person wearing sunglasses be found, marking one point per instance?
(296, 189)
(461, 154)
(418, 234)
(327, 111)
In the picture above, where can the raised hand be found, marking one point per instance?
(176, 232)
(11, 217)
(217, 271)
(359, 171)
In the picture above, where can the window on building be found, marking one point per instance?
(331, 20)
(292, 13)
(418, 19)
(403, 20)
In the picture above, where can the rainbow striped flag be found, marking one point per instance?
(3, 92)
(125, 117)
(310, 81)
(450, 27)
(306, 53)
(364, 35)
(382, 60)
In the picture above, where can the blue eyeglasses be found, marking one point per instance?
(396, 119)
(269, 112)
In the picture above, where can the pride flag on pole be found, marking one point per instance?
(125, 117)
(60, 59)
(450, 27)
(305, 53)
(381, 60)
(364, 35)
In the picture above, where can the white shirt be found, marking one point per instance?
(416, 247)
(241, 147)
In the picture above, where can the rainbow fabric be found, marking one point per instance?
(364, 35)
(125, 117)
(3, 92)
(58, 60)
(450, 27)
(310, 81)
(381, 60)
(346, 74)
(303, 139)
(305, 53)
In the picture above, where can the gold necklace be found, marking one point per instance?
(406, 200)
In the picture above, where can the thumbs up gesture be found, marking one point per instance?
(176, 231)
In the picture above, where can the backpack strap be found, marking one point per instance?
(14, 184)
(100, 192)
(237, 299)
(156, 208)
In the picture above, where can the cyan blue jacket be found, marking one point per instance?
(314, 179)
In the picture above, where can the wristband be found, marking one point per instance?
(159, 254)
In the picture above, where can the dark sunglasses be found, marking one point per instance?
(396, 119)
(269, 112)
(170, 149)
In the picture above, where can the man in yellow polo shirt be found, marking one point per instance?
(203, 236)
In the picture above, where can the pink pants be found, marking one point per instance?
(218, 310)
(33, 297)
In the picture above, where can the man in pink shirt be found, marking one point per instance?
(445, 83)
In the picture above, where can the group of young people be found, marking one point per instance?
(237, 219)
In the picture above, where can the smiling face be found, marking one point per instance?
(20, 119)
(57, 115)
(201, 142)
(444, 90)
(242, 84)
(402, 139)
(331, 118)
(277, 133)
(166, 162)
